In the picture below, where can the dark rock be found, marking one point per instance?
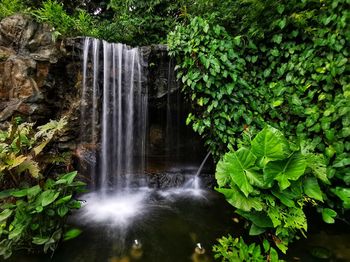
(9, 109)
(39, 78)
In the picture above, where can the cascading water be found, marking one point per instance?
(114, 125)
(118, 110)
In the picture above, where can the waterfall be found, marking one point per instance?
(115, 105)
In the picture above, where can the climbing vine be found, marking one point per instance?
(292, 74)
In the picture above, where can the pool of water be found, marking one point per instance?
(167, 225)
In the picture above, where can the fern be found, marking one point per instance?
(21, 145)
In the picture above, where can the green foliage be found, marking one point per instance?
(63, 24)
(54, 14)
(34, 216)
(33, 207)
(20, 149)
(269, 182)
(10, 7)
(236, 250)
(289, 68)
(142, 22)
(210, 72)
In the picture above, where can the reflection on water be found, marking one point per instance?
(324, 243)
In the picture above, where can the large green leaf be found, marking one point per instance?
(344, 194)
(255, 178)
(291, 168)
(240, 201)
(33, 191)
(312, 189)
(260, 219)
(255, 230)
(233, 167)
(284, 198)
(20, 192)
(270, 144)
(342, 163)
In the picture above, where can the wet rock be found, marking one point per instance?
(39, 78)
(5, 53)
(168, 180)
(8, 109)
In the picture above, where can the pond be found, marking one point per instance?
(166, 225)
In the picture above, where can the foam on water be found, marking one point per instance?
(123, 208)
(116, 210)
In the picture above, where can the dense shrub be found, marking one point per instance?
(34, 204)
(292, 74)
(10, 7)
(270, 181)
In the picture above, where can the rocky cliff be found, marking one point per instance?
(39, 77)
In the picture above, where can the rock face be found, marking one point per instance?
(39, 78)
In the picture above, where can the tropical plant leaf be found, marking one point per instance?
(235, 165)
(284, 170)
(344, 194)
(342, 163)
(33, 191)
(17, 231)
(240, 201)
(49, 129)
(47, 197)
(67, 178)
(62, 211)
(63, 200)
(328, 215)
(5, 214)
(260, 219)
(285, 199)
(270, 144)
(312, 189)
(19, 193)
(275, 216)
(256, 178)
(255, 230)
